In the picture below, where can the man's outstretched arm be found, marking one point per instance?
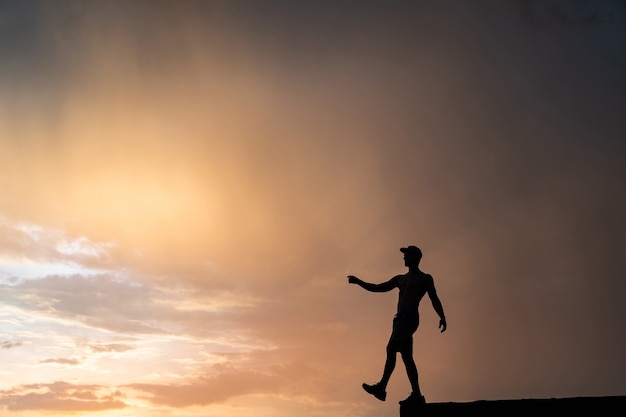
(382, 287)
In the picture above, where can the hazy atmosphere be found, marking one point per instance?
(185, 185)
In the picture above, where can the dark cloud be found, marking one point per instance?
(24, 38)
(579, 14)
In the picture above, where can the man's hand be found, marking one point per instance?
(443, 325)
(352, 279)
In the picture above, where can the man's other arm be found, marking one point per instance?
(434, 299)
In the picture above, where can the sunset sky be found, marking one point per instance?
(184, 187)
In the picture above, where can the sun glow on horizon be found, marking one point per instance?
(91, 352)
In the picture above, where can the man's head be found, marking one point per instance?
(412, 255)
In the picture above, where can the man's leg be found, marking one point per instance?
(379, 390)
(411, 370)
(416, 396)
(390, 364)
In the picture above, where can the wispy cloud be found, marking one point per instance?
(225, 383)
(61, 396)
(31, 251)
(62, 361)
(109, 347)
(10, 345)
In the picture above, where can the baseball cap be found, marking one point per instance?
(412, 251)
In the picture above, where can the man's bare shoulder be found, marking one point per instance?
(430, 283)
(426, 278)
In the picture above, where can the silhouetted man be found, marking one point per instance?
(412, 285)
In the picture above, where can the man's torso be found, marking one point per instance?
(413, 286)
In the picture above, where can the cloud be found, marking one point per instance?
(10, 345)
(62, 361)
(32, 251)
(91, 350)
(109, 347)
(224, 384)
(94, 301)
(61, 396)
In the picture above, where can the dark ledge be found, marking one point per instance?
(597, 406)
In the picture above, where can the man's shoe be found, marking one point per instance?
(414, 399)
(376, 390)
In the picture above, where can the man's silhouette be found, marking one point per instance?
(413, 286)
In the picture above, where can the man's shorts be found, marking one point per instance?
(404, 325)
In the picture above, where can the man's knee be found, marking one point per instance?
(395, 346)
(407, 353)
(392, 347)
